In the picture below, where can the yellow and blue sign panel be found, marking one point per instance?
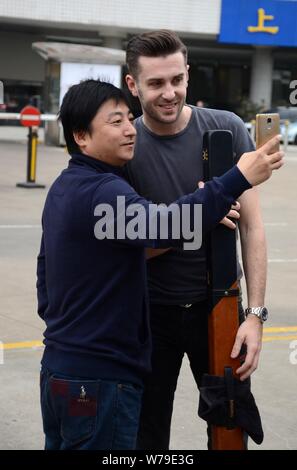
(259, 22)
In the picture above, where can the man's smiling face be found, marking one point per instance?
(161, 86)
(112, 134)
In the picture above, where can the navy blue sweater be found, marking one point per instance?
(92, 293)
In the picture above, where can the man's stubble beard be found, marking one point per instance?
(154, 115)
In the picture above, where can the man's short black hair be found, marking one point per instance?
(81, 104)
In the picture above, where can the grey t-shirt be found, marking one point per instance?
(165, 168)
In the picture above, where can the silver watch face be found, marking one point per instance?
(264, 314)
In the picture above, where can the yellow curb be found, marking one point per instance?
(266, 339)
(279, 329)
(21, 345)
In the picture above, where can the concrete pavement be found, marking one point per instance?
(275, 382)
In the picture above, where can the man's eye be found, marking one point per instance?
(118, 121)
(178, 79)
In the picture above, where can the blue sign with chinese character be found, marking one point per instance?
(259, 22)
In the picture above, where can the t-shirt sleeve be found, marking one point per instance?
(242, 141)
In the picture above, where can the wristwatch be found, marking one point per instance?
(260, 312)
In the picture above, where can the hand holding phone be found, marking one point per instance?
(257, 166)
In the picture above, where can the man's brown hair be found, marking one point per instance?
(152, 44)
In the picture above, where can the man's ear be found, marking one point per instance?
(131, 84)
(187, 76)
(80, 138)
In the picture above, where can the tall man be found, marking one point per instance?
(166, 165)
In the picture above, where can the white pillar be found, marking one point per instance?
(261, 78)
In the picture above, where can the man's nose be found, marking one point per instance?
(168, 92)
(130, 129)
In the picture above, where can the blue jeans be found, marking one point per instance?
(90, 414)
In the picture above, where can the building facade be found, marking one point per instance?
(231, 66)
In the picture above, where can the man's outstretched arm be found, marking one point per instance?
(254, 256)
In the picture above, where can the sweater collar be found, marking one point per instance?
(102, 167)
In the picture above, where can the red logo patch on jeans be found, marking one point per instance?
(83, 406)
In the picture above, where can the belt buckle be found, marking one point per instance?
(186, 305)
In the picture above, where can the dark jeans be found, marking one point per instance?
(88, 414)
(176, 330)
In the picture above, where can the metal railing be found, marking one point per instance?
(17, 116)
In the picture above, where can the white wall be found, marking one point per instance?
(188, 16)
